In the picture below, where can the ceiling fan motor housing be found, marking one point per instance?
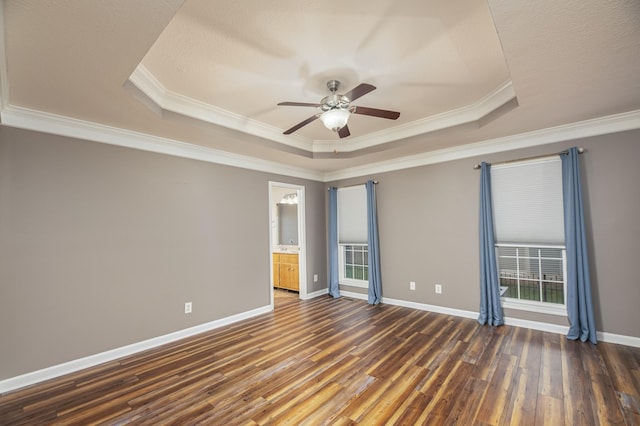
(334, 100)
(333, 85)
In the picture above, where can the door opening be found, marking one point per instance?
(287, 242)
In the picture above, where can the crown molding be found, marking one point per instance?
(467, 114)
(583, 129)
(55, 124)
(167, 100)
(25, 118)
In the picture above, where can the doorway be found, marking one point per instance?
(287, 233)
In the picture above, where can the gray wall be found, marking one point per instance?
(100, 246)
(428, 227)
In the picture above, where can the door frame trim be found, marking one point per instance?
(302, 238)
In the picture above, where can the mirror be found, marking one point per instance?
(287, 224)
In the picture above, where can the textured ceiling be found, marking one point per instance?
(211, 73)
(245, 56)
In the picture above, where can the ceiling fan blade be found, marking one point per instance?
(374, 112)
(359, 91)
(344, 131)
(298, 104)
(301, 124)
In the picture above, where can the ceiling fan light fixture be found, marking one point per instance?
(335, 109)
(335, 119)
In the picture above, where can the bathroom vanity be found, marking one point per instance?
(285, 271)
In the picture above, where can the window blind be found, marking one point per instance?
(527, 202)
(352, 215)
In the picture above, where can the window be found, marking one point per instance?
(533, 275)
(529, 227)
(354, 264)
(353, 253)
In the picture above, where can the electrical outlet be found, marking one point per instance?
(412, 285)
(315, 278)
(438, 289)
(188, 307)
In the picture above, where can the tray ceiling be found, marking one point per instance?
(209, 74)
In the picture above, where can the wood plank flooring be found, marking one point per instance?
(343, 362)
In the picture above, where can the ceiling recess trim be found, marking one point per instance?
(65, 126)
(168, 100)
(468, 114)
(25, 118)
(583, 129)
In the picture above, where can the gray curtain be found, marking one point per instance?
(375, 280)
(490, 308)
(334, 288)
(579, 304)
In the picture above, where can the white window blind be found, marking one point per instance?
(527, 202)
(352, 215)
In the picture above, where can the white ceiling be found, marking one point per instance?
(204, 77)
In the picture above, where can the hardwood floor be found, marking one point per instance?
(343, 362)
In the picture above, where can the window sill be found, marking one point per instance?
(538, 307)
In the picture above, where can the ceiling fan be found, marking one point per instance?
(336, 109)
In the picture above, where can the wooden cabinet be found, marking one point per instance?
(285, 271)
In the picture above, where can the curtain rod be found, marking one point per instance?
(535, 157)
(375, 182)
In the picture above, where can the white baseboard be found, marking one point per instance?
(353, 295)
(414, 305)
(618, 339)
(431, 308)
(315, 294)
(93, 360)
(534, 325)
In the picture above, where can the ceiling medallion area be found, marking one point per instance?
(334, 112)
